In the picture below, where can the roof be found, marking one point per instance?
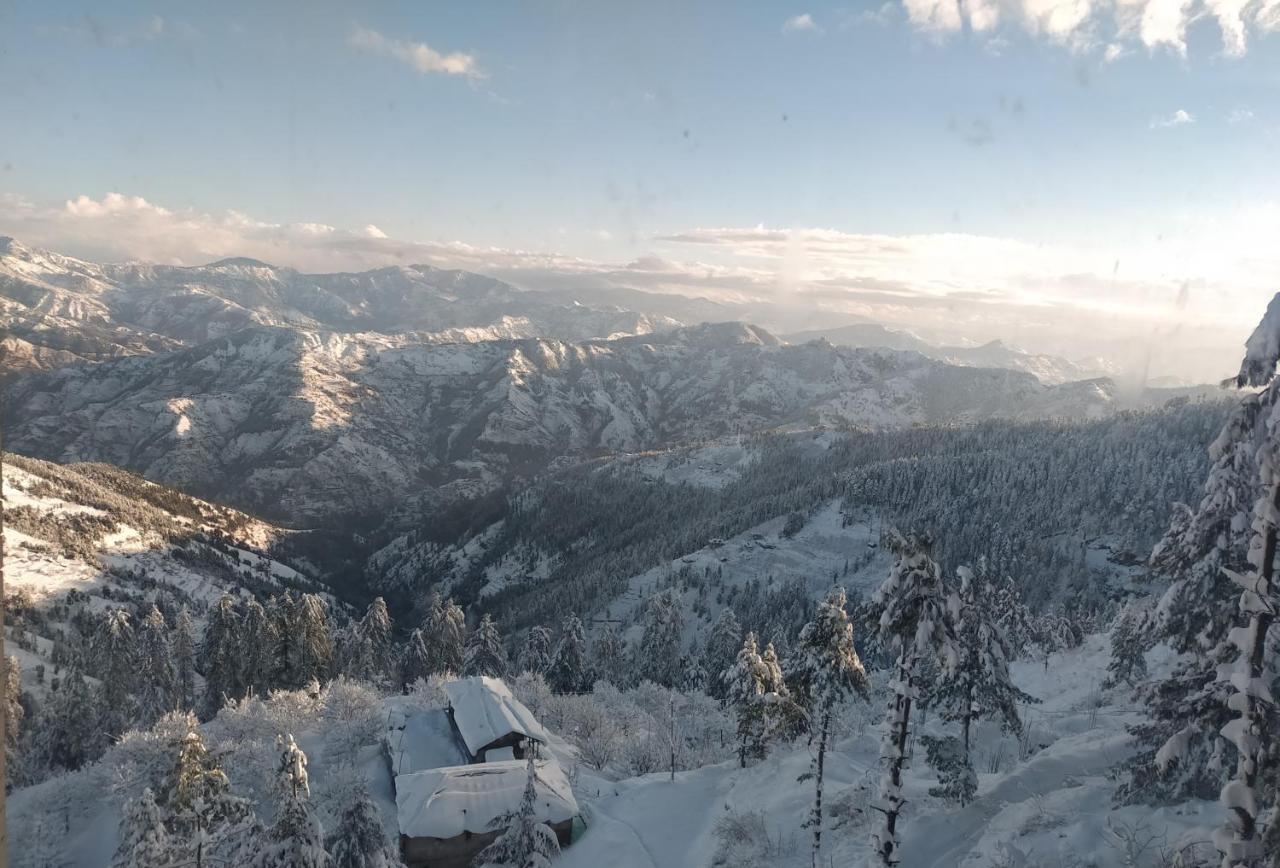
(484, 711)
(420, 739)
(444, 803)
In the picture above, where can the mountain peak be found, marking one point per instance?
(240, 262)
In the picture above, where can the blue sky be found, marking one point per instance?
(600, 131)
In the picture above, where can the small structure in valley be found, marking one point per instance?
(491, 722)
(447, 815)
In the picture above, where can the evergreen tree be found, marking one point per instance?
(659, 651)
(949, 757)
(485, 654)
(66, 735)
(220, 653)
(1128, 649)
(144, 841)
(359, 841)
(415, 663)
(1252, 662)
(568, 670)
(157, 683)
(203, 814)
(744, 683)
(115, 650)
(914, 627)
(184, 659)
(980, 687)
(372, 644)
(257, 641)
(527, 842)
(444, 633)
(535, 657)
(13, 711)
(609, 656)
(294, 839)
(723, 645)
(829, 673)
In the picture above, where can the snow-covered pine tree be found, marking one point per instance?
(203, 815)
(568, 669)
(828, 672)
(485, 654)
(535, 656)
(744, 683)
(115, 651)
(157, 676)
(1252, 675)
(66, 734)
(659, 651)
(609, 656)
(526, 842)
(184, 659)
(220, 653)
(1180, 754)
(144, 841)
(257, 641)
(13, 713)
(372, 645)
(723, 645)
(294, 839)
(359, 841)
(980, 688)
(1128, 664)
(949, 757)
(415, 663)
(444, 632)
(914, 625)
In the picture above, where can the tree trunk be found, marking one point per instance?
(816, 817)
(888, 844)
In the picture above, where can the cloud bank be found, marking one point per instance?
(1104, 26)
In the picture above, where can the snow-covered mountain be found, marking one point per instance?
(1047, 368)
(307, 425)
(56, 310)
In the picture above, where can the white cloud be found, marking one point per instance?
(1179, 118)
(1240, 116)
(417, 55)
(800, 23)
(938, 17)
(1104, 26)
(1189, 299)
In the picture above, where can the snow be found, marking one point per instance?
(484, 711)
(442, 803)
(418, 739)
(1053, 806)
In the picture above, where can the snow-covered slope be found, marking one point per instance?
(98, 535)
(311, 425)
(56, 310)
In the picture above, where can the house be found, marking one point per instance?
(448, 815)
(492, 724)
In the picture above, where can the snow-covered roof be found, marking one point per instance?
(484, 711)
(443, 803)
(419, 739)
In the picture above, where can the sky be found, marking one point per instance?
(1075, 176)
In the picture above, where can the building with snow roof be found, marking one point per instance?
(448, 815)
(491, 722)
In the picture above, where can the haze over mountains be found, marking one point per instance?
(310, 397)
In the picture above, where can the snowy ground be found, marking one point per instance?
(1051, 808)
